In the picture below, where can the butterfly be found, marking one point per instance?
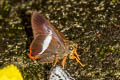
(49, 45)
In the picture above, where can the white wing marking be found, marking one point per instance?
(46, 42)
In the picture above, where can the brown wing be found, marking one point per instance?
(54, 49)
(38, 26)
(41, 26)
(36, 45)
(41, 29)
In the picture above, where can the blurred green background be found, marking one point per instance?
(93, 24)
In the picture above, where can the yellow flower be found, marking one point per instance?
(10, 73)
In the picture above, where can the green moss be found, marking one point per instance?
(11, 34)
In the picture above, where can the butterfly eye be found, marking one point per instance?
(71, 48)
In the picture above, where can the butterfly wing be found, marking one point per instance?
(36, 45)
(38, 24)
(46, 48)
(47, 39)
(41, 26)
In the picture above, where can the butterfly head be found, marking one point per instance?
(71, 47)
(74, 54)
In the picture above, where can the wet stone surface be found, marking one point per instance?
(93, 25)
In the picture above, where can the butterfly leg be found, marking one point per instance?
(75, 52)
(56, 60)
(64, 61)
(74, 57)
